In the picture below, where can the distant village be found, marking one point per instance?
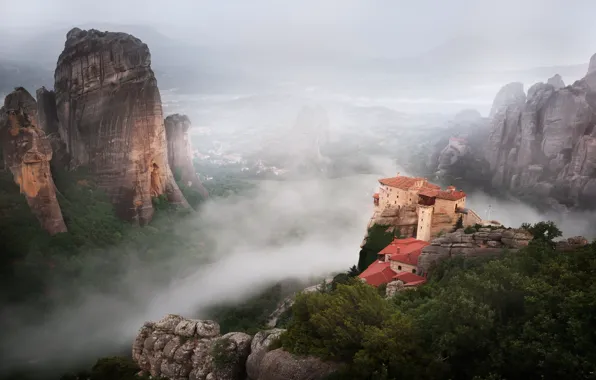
(418, 211)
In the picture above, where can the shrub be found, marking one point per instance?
(114, 368)
(469, 230)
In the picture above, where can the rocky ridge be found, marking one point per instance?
(179, 348)
(485, 242)
(111, 119)
(27, 153)
(544, 144)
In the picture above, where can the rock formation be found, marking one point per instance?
(180, 349)
(556, 81)
(111, 119)
(545, 145)
(27, 153)
(180, 153)
(485, 242)
(511, 93)
(457, 157)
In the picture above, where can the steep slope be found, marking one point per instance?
(180, 154)
(111, 119)
(545, 144)
(27, 153)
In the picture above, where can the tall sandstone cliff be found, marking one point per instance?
(27, 153)
(111, 119)
(544, 144)
(180, 153)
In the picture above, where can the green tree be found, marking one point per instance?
(459, 223)
(543, 231)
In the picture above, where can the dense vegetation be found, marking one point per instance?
(525, 315)
(379, 236)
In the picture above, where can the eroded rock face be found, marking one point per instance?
(180, 153)
(111, 119)
(27, 153)
(179, 348)
(482, 243)
(512, 93)
(546, 144)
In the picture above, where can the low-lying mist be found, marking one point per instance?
(282, 230)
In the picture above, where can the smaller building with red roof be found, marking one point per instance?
(397, 261)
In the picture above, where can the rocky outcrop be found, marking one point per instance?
(111, 119)
(556, 81)
(178, 348)
(258, 348)
(180, 153)
(27, 153)
(571, 244)
(512, 93)
(546, 144)
(485, 241)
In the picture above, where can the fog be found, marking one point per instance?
(242, 70)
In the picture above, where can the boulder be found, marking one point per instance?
(281, 365)
(258, 348)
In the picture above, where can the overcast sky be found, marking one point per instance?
(375, 27)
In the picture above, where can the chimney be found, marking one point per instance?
(451, 189)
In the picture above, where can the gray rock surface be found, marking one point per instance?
(556, 81)
(484, 242)
(546, 144)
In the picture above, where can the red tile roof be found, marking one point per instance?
(408, 277)
(405, 183)
(443, 194)
(451, 195)
(376, 195)
(405, 250)
(378, 273)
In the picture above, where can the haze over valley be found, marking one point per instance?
(212, 160)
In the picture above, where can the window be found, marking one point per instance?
(399, 267)
(414, 271)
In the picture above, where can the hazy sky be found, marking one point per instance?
(379, 27)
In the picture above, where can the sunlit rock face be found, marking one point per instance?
(111, 119)
(27, 153)
(546, 144)
(180, 153)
